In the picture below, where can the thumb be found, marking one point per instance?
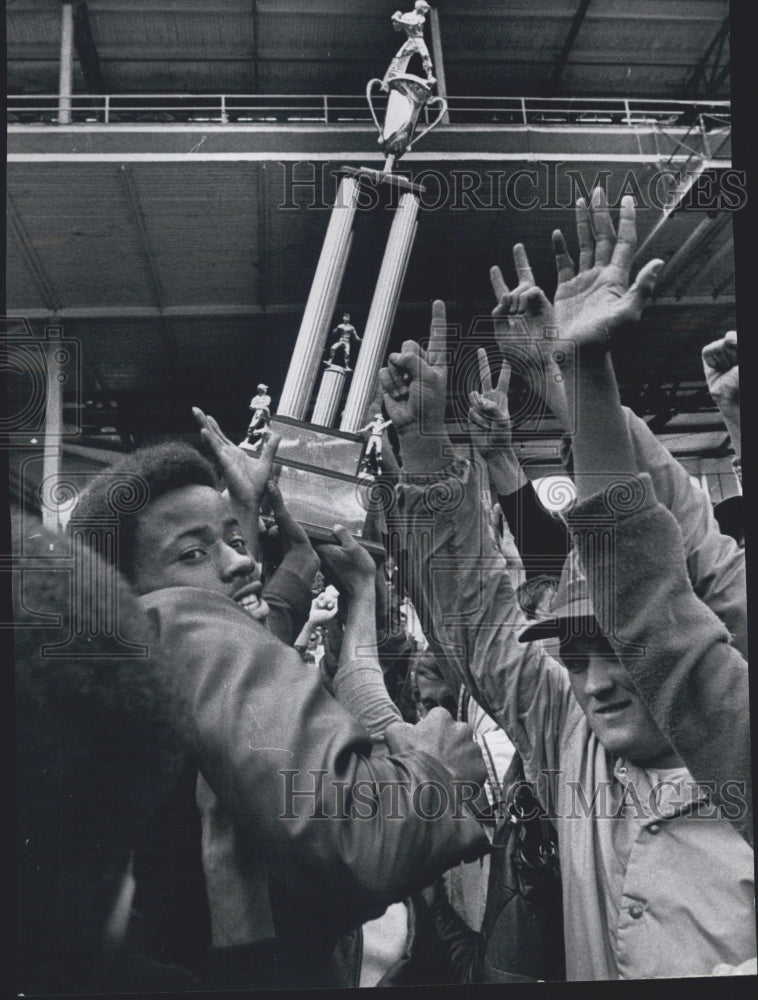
(343, 536)
(641, 292)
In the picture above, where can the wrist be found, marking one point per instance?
(425, 452)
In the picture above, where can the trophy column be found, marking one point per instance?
(306, 357)
(382, 312)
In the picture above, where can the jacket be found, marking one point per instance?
(293, 771)
(685, 897)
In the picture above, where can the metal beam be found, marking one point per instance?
(31, 259)
(86, 50)
(256, 53)
(439, 61)
(722, 285)
(132, 197)
(698, 73)
(568, 44)
(711, 262)
(66, 75)
(705, 230)
(218, 310)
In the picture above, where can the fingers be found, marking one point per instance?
(564, 265)
(504, 379)
(641, 292)
(523, 270)
(584, 233)
(485, 376)
(400, 371)
(605, 234)
(268, 451)
(626, 244)
(343, 536)
(534, 301)
(291, 532)
(721, 355)
(436, 354)
(497, 281)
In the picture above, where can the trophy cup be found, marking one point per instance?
(321, 465)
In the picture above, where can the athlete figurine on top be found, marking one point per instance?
(372, 458)
(347, 333)
(260, 406)
(412, 24)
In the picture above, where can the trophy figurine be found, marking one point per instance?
(408, 94)
(347, 334)
(323, 466)
(260, 410)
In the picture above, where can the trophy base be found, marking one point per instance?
(319, 475)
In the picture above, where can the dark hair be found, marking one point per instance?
(96, 743)
(155, 470)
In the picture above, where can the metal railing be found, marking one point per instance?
(331, 109)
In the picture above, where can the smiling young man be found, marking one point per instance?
(278, 768)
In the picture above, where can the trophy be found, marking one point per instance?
(322, 466)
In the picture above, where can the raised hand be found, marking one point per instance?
(348, 562)
(522, 317)
(720, 365)
(323, 607)
(299, 555)
(525, 332)
(591, 302)
(414, 383)
(488, 417)
(245, 476)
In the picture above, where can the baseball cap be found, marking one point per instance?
(571, 602)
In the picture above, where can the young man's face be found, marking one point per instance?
(190, 538)
(616, 713)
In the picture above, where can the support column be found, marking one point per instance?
(66, 81)
(382, 313)
(439, 62)
(329, 396)
(321, 305)
(51, 455)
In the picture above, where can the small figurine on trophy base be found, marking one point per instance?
(412, 24)
(372, 458)
(347, 333)
(260, 407)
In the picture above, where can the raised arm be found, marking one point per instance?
(674, 648)
(460, 578)
(359, 681)
(299, 777)
(245, 475)
(541, 540)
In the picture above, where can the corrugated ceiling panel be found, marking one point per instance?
(124, 354)
(203, 227)
(173, 76)
(77, 218)
(21, 289)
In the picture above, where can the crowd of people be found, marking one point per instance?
(517, 748)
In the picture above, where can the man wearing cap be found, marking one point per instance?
(657, 882)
